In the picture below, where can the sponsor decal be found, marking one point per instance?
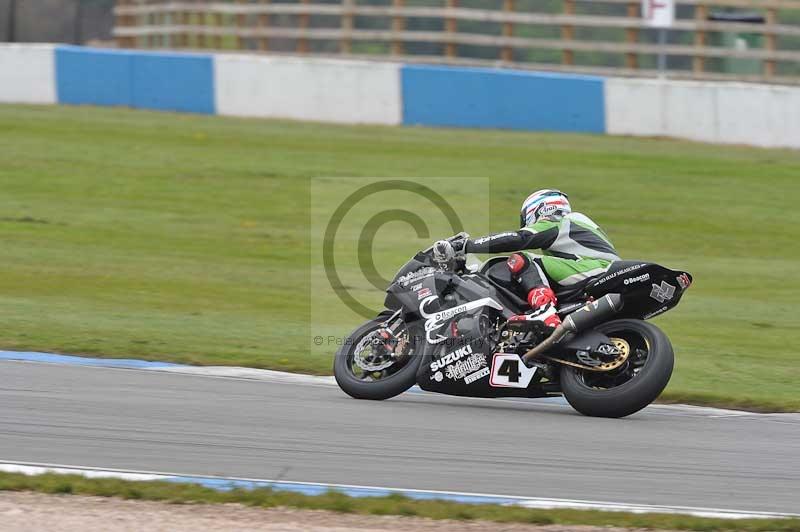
(472, 377)
(438, 376)
(434, 321)
(423, 293)
(412, 277)
(656, 313)
(490, 238)
(465, 367)
(640, 279)
(416, 287)
(662, 293)
(546, 209)
(684, 281)
(614, 275)
(449, 313)
(449, 358)
(570, 308)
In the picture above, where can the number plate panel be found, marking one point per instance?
(509, 371)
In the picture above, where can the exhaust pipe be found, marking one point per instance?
(585, 317)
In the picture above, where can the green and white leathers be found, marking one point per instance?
(574, 248)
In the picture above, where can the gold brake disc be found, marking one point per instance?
(624, 352)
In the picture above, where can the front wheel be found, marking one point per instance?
(632, 384)
(368, 366)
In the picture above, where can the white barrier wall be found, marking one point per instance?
(27, 73)
(354, 92)
(730, 113)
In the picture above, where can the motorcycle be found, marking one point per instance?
(447, 327)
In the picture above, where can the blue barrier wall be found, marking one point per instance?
(162, 81)
(430, 95)
(94, 77)
(492, 98)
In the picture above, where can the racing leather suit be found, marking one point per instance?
(573, 249)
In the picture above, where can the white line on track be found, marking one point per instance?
(225, 483)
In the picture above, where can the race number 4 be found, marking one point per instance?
(509, 371)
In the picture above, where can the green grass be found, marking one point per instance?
(187, 238)
(391, 505)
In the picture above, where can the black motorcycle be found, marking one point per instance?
(446, 327)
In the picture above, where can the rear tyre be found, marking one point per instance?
(629, 388)
(356, 381)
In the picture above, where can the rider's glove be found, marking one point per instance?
(443, 252)
(459, 243)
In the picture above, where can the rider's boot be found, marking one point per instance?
(543, 309)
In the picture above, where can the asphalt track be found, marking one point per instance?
(309, 431)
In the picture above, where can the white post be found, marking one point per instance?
(659, 14)
(662, 57)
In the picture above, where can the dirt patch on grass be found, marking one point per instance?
(68, 513)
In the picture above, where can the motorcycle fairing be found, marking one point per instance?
(648, 289)
(463, 365)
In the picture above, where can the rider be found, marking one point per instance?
(574, 249)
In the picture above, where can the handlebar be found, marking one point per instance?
(448, 256)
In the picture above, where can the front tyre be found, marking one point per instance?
(631, 386)
(364, 369)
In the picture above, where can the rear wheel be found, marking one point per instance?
(375, 364)
(634, 380)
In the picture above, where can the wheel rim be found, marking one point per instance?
(634, 353)
(374, 358)
(624, 349)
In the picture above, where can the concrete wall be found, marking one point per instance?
(356, 92)
(508, 99)
(27, 74)
(351, 92)
(729, 113)
(145, 80)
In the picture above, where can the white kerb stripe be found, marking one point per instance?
(526, 502)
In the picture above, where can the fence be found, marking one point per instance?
(711, 39)
(65, 21)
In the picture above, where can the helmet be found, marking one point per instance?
(544, 203)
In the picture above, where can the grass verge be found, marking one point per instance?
(391, 505)
(186, 238)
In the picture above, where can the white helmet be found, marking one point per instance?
(541, 204)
